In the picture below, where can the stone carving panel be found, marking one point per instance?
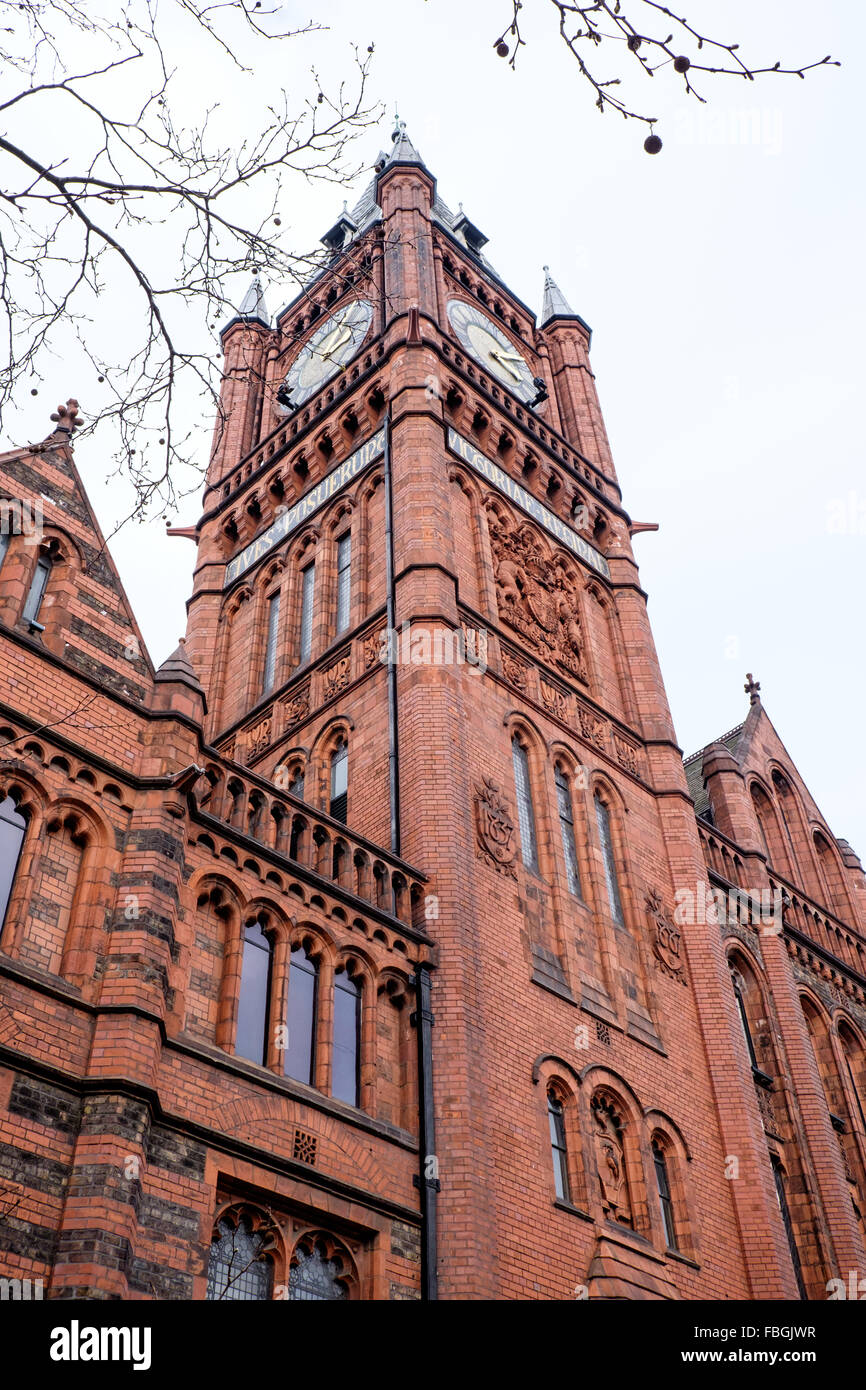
(494, 829)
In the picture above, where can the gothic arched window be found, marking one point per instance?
(611, 877)
(558, 1148)
(253, 1007)
(301, 1017)
(12, 828)
(663, 1189)
(273, 633)
(345, 1082)
(780, 1180)
(308, 587)
(339, 799)
(344, 581)
(38, 585)
(525, 812)
(315, 1278)
(566, 826)
(238, 1269)
(739, 985)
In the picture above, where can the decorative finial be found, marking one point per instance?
(66, 417)
(752, 689)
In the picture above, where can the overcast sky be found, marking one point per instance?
(723, 280)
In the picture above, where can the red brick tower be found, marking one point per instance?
(417, 637)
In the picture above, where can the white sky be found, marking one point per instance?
(723, 280)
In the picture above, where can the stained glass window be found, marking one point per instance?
(237, 1270)
(606, 839)
(525, 813)
(308, 585)
(344, 581)
(315, 1278)
(566, 825)
(271, 641)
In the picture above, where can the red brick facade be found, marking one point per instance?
(643, 1054)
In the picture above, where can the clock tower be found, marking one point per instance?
(380, 944)
(414, 558)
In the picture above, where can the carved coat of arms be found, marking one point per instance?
(494, 828)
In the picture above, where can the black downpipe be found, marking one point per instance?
(393, 649)
(428, 1176)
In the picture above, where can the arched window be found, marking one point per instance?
(559, 1151)
(525, 813)
(344, 581)
(238, 1269)
(663, 1188)
(308, 587)
(296, 786)
(611, 878)
(38, 585)
(271, 642)
(832, 875)
(314, 1277)
(12, 828)
(253, 1008)
(739, 994)
(779, 1178)
(339, 799)
(301, 1017)
(347, 1038)
(566, 826)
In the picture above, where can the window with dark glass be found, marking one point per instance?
(314, 1278)
(525, 812)
(339, 802)
(252, 1032)
(556, 1120)
(237, 1270)
(301, 1017)
(782, 1198)
(308, 586)
(602, 815)
(296, 786)
(38, 585)
(347, 1038)
(12, 828)
(663, 1189)
(744, 1019)
(344, 581)
(566, 826)
(271, 642)
(5, 537)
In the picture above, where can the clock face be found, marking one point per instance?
(481, 337)
(332, 345)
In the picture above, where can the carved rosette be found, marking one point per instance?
(494, 829)
(667, 941)
(535, 593)
(516, 672)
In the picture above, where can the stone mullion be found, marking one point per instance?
(279, 1003)
(324, 1026)
(369, 1044)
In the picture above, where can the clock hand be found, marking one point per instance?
(340, 334)
(501, 357)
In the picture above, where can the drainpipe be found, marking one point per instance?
(428, 1175)
(393, 648)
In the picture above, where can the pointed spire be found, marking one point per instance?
(178, 667)
(402, 150)
(253, 306)
(554, 305)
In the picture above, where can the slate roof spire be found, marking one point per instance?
(253, 305)
(554, 305)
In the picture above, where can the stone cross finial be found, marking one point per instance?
(66, 416)
(752, 689)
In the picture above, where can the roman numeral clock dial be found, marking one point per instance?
(486, 342)
(332, 345)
